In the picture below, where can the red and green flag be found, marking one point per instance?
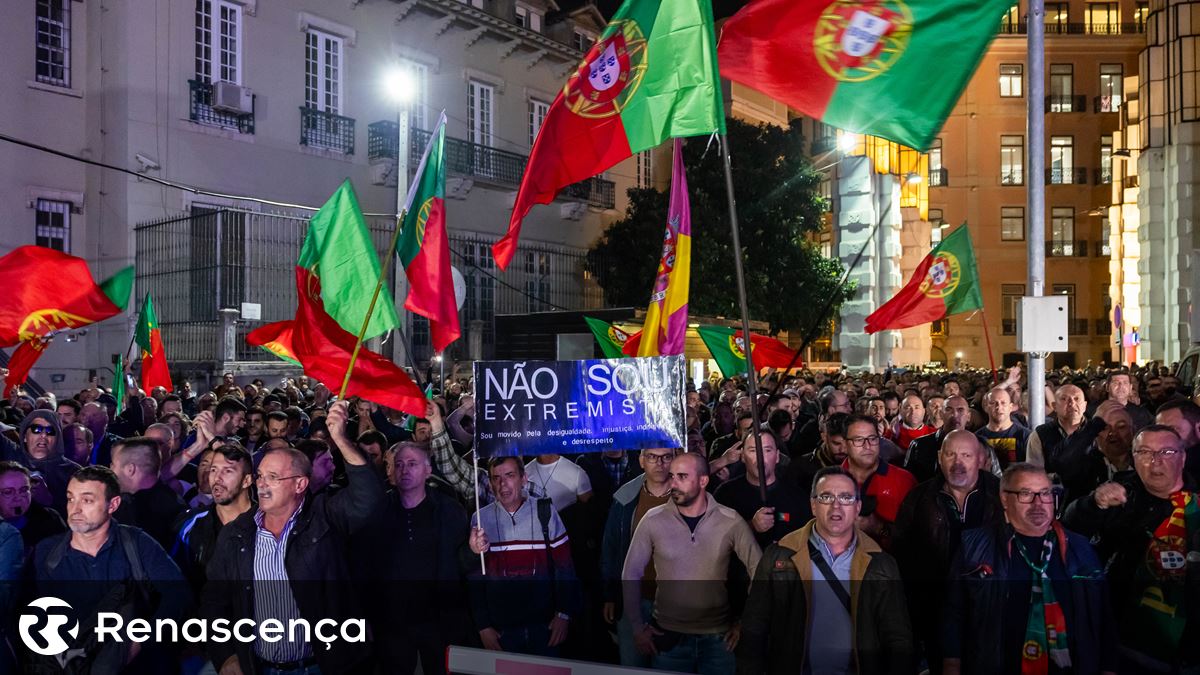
(610, 338)
(338, 249)
(888, 68)
(424, 248)
(275, 338)
(728, 349)
(946, 282)
(651, 75)
(154, 357)
(47, 292)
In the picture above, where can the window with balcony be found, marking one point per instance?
(537, 116)
(481, 99)
(1012, 160)
(1105, 176)
(1111, 75)
(528, 17)
(1102, 18)
(1012, 80)
(1012, 223)
(1062, 231)
(218, 41)
(321, 122)
(1141, 12)
(53, 53)
(1057, 17)
(1010, 23)
(1062, 160)
(1010, 296)
(582, 40)
(52, 224)
(1074, 326)
(418, 104)
(938, 176)
(1062, 88)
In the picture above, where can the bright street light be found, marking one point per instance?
(847, 142)
(399, 84)
(913, 178)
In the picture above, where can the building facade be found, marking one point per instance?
(282, 102)
(978, 176)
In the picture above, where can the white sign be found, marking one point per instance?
(252, 311)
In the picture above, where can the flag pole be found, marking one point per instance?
(383, 271)
(475, 473)
(987, 336)
(751, 374)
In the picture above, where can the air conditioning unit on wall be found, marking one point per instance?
(233, 98)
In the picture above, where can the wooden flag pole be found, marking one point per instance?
(751, 374)
(383, 271)
(987, 336)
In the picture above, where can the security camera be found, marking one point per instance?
(147, 163)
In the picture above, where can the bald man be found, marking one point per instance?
(1048, 438)
(1007, 439)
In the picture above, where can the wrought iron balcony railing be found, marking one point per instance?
(319, 129)
(201, 110)
(939, 177)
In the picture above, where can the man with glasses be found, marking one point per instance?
(630, 503)
(1145, 526)
(882, 486)
(294, 548)
(17, 508)
(826, 598)
(1027, 596)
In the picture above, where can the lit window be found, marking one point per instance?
(1012, 223)
(1012, 80)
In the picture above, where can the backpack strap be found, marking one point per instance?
(131, 553)
(56, 554)
(544, 510)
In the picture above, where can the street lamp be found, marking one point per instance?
(847, 142)
(913, 178)
(399, 85)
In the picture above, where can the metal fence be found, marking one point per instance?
(218, 258)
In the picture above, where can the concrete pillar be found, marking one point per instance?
(227, 337)
(475, 340)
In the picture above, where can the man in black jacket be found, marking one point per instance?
(963, 495)
(1145, 526)
(921, 460)
(230, 476)
(287, 561)
(799, 615)
(42, 450)
(146, 501)
(416, 549)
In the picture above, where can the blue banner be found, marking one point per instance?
(566, 407)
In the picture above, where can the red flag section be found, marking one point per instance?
(324, 348)
(21, 362)
(275, 338)
(48, 291)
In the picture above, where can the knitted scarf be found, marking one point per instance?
(1046, 628)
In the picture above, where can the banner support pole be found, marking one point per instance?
(987, 336)
(751, 374)
(475, 473)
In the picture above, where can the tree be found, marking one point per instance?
(788, 281)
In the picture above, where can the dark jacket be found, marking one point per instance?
(195, 542)
(155, 510)
(775, 623)
(1122, 535)
(55, 468)
(922, 457)
(36, 524)
(618, 532)
(978, 591)
(317, 568)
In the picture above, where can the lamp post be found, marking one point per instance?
(398, 86)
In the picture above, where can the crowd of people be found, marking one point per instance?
(894, 522)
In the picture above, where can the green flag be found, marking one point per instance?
(729, 350)
(119, 383)
(339, 251)
(610, 338)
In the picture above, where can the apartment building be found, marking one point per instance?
(281, 102)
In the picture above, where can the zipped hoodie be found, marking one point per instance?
(690, 568)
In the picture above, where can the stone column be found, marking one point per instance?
(227, 338)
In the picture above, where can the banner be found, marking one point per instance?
(566, 407)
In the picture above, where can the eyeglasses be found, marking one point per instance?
(862, 441)
(658, 459)
(12, 492)
(1026, 496)
(845, 498)
(43, 430)
(1148, 456)
(273, 480)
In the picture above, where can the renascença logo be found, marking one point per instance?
(46, 619)
(43, 623)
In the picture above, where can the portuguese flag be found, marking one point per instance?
(424, 249)
(276, 338)
(21, 362)
(610, 338)
(881, 67)
(154, 357)
(652, 75)
(946, 282)
(47, 291)
(729, 350)
(338, 249)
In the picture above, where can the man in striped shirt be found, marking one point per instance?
(526, 599)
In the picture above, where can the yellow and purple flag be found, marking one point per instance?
(666, 318)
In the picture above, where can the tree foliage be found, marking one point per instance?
(788, 281)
